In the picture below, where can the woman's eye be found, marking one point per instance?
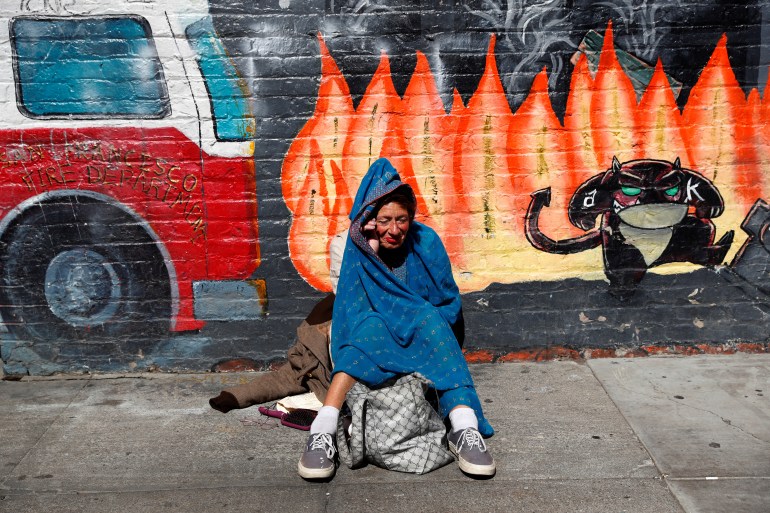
(630, 191)
(400, 221)
(672, 191)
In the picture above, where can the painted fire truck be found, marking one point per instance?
(127, 184)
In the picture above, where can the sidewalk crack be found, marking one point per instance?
(730, 423)
(4, 479)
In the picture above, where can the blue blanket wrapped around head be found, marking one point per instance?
(384, 326)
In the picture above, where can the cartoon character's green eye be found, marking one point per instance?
(672, 191)
(630, 191)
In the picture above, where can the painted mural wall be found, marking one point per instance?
(172, 178)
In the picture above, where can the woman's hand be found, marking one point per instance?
(370, 231)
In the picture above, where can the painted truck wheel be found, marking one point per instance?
(76, 269)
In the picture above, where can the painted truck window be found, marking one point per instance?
(88, 68)
(233, 120)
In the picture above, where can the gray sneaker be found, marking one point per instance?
(471, 451)
(320, 457)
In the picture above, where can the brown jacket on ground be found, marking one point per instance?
(308, 367)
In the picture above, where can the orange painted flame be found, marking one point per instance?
(536, 154)
(718, 140)
(613, 105)
(376, 116)
(428, 134)
(473, 169)
(328, 128)
(659, 121)
(313, 186)
(761, 123)
(579, 147)
(486, 223)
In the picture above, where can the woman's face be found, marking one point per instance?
(392, 224)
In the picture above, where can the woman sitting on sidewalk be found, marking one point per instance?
(396, 306)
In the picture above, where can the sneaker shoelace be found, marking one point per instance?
(471, 437)
(323, 441)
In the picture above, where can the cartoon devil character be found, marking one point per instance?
(645, 221)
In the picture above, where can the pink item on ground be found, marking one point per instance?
(298, 419)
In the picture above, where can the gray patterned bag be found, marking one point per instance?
(394, 427)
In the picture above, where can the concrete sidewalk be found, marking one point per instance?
(637, 435)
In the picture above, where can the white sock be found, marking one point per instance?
(325, 421)
(463, 418)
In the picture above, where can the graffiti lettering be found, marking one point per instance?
(692, 188)
(98, 151)
(590, 199)
(10, 155)
(189, 183)
(47, 6)
(89, 150)
(48, 176)
(160, 187)
(109, 166)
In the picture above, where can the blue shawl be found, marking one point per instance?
(385, 326)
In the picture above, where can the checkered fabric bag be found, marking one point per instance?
(394, 427)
